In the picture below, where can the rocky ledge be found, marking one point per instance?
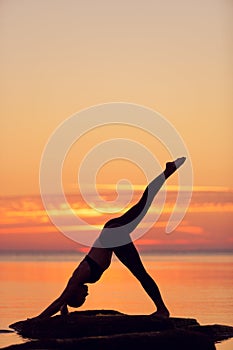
(109, 329)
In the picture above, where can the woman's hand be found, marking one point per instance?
(64, 310)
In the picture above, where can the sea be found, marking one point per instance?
(193, 285)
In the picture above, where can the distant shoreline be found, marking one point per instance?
(74, 256)
(57, 252)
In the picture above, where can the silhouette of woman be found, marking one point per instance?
(115, 237)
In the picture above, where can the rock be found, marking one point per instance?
(95, 323)
(109, 329)
(167, 340)
(6, 331)
(216, 332)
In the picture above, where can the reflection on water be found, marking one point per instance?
(196, 286)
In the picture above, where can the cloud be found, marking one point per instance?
(190, 229)
(208, 221)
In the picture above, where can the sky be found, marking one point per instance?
(59, 57)
(206, 226)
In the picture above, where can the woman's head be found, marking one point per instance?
(77, 298)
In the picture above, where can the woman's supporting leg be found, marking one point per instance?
(129, 256)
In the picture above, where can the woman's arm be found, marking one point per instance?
(60, 303)
(79, 277)
(52, 309)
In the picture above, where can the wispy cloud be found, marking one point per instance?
(26, 216)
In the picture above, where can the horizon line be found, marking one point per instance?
(169, 188)
(77, 252)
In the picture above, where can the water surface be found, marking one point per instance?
(193, 285)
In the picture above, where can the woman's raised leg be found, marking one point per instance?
(135, 214)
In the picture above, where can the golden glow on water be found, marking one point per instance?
(195, 286)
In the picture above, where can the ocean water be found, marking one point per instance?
(193, 285)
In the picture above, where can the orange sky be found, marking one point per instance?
(58, 57)
(206, 226)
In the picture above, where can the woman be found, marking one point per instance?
(115, 237)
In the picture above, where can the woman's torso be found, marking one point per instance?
(102, 256)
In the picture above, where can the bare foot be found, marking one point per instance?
(161, 314)
(171, 167)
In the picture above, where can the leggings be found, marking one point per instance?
(116, 232)
(126, 252)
